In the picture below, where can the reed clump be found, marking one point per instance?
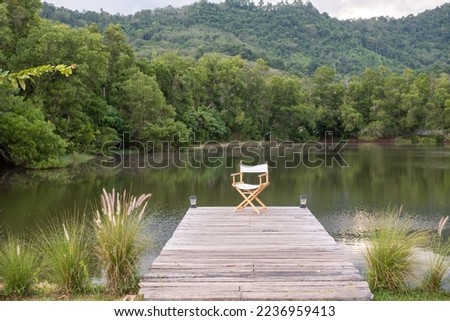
(390, 253)
(439, 262)
(19, 268)
(119, 222)
(66, 248)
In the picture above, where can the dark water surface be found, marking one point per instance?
(342, 198)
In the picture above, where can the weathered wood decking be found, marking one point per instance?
(283, 253)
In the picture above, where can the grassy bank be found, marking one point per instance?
(50, 292)
(45, 291)
(412, 295)
(75, 159)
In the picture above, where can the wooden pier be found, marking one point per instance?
(283, 253)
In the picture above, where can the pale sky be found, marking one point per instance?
(342, 9)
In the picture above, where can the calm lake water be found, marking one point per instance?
(343, 198)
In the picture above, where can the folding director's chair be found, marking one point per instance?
(250, 192)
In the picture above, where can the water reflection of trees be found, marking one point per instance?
(376, 177)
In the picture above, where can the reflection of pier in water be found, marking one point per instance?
(283, 253)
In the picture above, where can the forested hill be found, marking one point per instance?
(294, 37)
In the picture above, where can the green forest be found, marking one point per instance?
(293, 37)
(213, 72)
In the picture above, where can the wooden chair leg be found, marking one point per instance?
(248, 200)
(261, 203)
(254, 197)
(244, 203)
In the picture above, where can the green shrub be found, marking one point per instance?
(19, 268)
(429, 139)
(373, 131)
(28, 140)
(67, 251)
(390, 254)
(402, 141)
(118, 229)
(439, 263)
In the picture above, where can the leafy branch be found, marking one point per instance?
(18, 79)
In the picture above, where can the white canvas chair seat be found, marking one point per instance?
(250, 192)
(244, 186)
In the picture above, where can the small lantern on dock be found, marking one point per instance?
(303, 200)
(193, 201)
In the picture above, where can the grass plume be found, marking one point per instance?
(118, 229)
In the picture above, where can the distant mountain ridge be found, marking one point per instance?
(294, 37)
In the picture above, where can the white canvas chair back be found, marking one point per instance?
(262, 168)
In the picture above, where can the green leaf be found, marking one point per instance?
(21, 83)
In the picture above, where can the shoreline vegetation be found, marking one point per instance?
(76, 159)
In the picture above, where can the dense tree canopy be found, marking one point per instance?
(294, 37)
(152, 94)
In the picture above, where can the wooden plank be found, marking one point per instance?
(283, 253)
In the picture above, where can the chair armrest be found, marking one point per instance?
(261, 178)
(234, 177)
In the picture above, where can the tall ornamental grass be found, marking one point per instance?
(120, 243)
(66, 248)
(439, 262)
(390, 254)
(19, 268)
